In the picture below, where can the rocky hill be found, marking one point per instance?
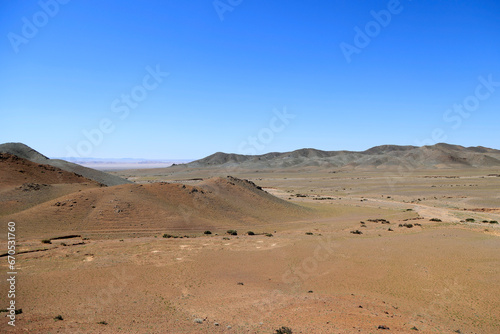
(386, 156)
(26, 152)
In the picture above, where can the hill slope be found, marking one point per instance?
(386, 156)
(24, 183)
(218, 203)
(26, 152)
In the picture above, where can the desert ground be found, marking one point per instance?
(332, 251)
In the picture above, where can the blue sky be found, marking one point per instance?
(89, 78)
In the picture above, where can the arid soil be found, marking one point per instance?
(337, 251)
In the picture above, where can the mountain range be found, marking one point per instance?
(386, 156)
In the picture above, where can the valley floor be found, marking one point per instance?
(426, 259)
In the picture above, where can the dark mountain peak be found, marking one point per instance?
(23, 151)
(389, 148)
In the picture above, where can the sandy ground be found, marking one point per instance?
(312, 275)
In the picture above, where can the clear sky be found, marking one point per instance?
(185, 79)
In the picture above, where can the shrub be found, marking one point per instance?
(250, 233)
(309, 233)
(232, 232)
(269, 234)
(356, 232)
(435, 220)
(46, 241)
(166, 235)
(59, 317)
(207, 232)
(470, 220)
(102, 323)
(284, 330)
(493, 222)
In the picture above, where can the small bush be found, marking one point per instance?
(207, 232)
(226, 238)
(102, 323)
(58, 318)
(284, 330)
(493, 222)
(435, 220)
(250, 233)
(269, 234)
(356, 232)
(166, 235)
(470, 220)
(309, 233)
(232, 232)
(46, 241)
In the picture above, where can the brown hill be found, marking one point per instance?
(26, 152)
(385, 156)
(16, 171)
(217, 204)
(24, 183)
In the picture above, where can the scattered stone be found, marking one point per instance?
(198, 321)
